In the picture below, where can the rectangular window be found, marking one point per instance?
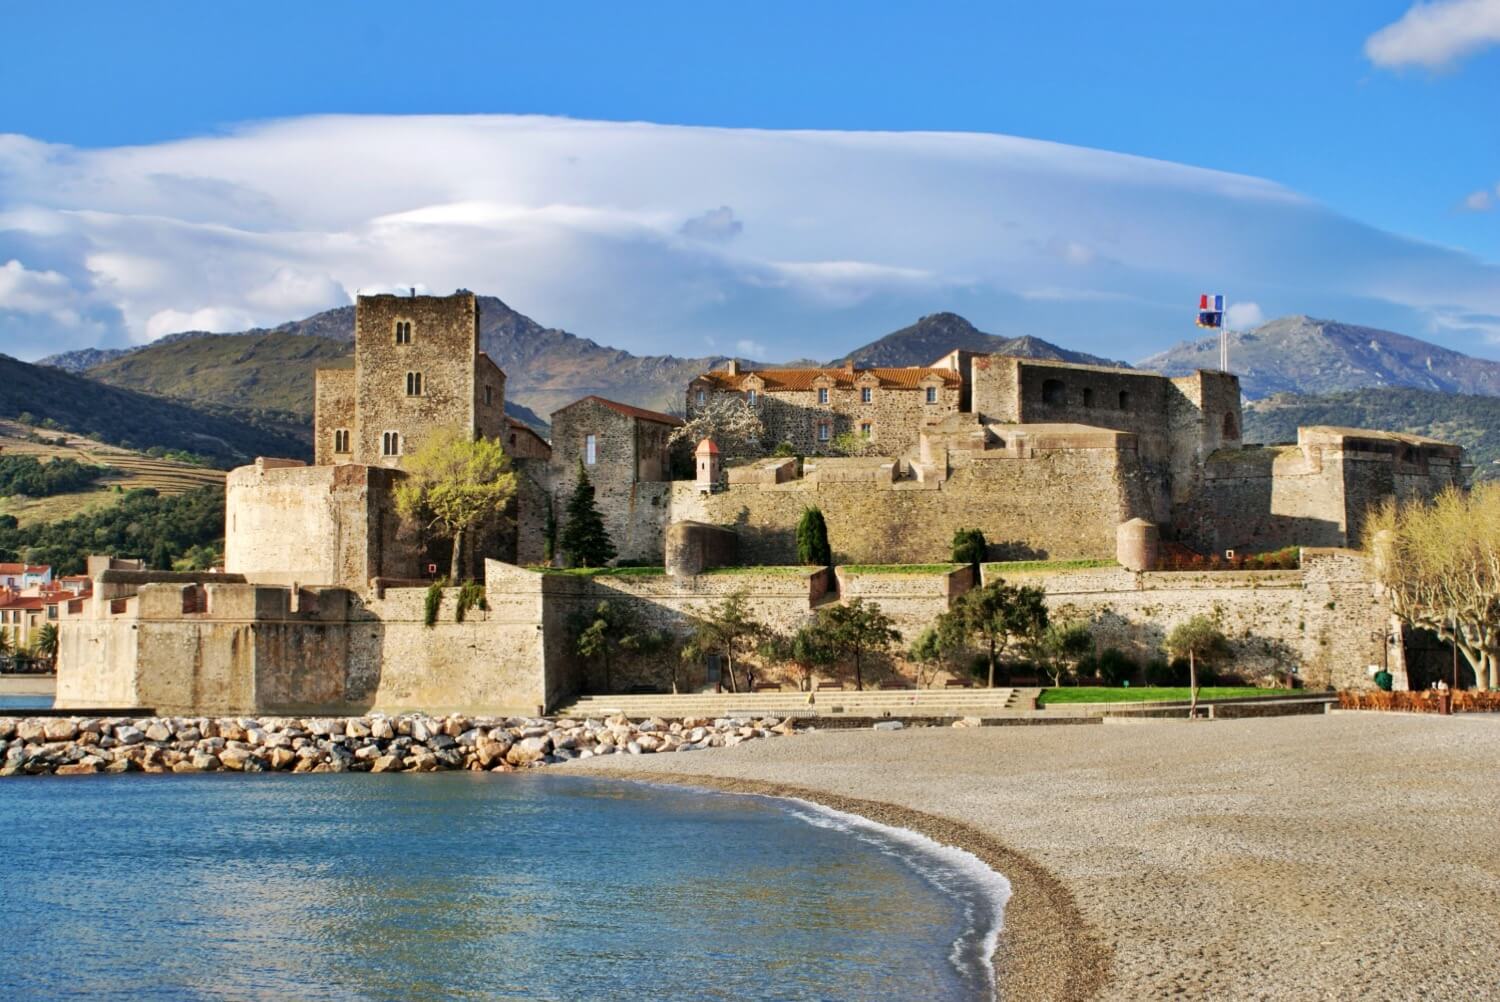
(864, 394)
(403, 332)
(750, 397)
(390, 444)
(864, 429)
(822, 395)
(590, 450)
(702, 396)
(932, 394)
(414, 384)
(489, 396)
(341, 440)
(823, 431)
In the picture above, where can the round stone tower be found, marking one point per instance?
(1137, 544)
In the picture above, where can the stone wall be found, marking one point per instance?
(444, 350)
(272, 650)
(321, 525)
(334, 412)
(629, 475)
(1059, 503)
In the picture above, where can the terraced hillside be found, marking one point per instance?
(130, 471)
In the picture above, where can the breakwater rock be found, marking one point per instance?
(70, 746)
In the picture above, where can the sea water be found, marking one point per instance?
(527, 886)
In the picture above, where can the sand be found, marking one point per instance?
(1348, 856)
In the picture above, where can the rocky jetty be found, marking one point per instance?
(72, 746)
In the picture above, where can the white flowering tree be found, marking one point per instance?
(730, 422)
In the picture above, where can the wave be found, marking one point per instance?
(954, 871)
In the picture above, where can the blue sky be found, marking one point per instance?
(1381, 117)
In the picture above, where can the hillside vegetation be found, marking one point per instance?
(165, 531)
(119, 471)
(226, 436)
(1470, 421)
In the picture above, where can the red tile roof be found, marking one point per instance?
(904, 378)
(35, 602)
(25, 568)
(628, 411)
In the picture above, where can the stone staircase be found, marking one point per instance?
(872, 703)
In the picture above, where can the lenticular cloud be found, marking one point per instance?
(665, 238)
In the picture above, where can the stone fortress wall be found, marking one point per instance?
(218, 644)
(318, 612)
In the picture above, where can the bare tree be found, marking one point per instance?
(1439, 561)
(729, 421)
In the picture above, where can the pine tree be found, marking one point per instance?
(585, 543)
(812, 539)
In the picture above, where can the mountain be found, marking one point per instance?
(933, 336)
(84, 359)
(227, 436)
(1303, 355)
(1470, 421)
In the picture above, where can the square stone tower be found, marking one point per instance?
(417, 368)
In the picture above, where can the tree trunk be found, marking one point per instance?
(456, 565)
(992, 664)
(1192, 684)
(729, 669)
(859, 679)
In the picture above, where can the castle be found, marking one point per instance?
(320, 603)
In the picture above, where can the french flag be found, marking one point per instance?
(1210, 304)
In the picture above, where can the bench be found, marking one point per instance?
(830, 687)
(958, 683)
(768, 687)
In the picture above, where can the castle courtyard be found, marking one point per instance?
(1348, 856)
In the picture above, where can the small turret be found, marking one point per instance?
(709, 469)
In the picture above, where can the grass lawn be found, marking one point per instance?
(900, 568)
(1020, 566)
(1145, 693)
(598, 572)
(787, 570)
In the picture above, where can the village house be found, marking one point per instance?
(19, 577)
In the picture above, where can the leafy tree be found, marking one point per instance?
(731, 422)
(197, 558)
(45, 645)
(610, 632)
(30, 476)
(969, 547)
(1061, 647)
(856, 629)
(141, 524)
(585, 542)
(1198, 639)
(726, 628)
(807, 648)
(4, 642)
(992, 618)
(928, 656)
(812, 538)
(455, 484)
(1440, 564)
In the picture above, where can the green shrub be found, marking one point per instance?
(1384, 680)
(433, 603)
(969, 546)
(470, 596)
(812, 539)
(784, 450)
(1112, 665)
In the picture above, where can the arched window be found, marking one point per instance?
(1124, 400)
(1054, 392)
(1231, 430)
(1088, 397)
(403, 332)
(390, 444)
(414, 384)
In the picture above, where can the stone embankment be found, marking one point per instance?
(71, 746)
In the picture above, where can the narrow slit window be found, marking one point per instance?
(590, 450)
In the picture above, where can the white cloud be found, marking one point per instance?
(1436, 34)
(602, 228)
(1243, 316)
(752, 349)
(1479, 201)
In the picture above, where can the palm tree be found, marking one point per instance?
(46, 643)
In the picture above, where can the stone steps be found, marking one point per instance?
(871, 703)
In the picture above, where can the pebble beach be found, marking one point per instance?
(1347, 856)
